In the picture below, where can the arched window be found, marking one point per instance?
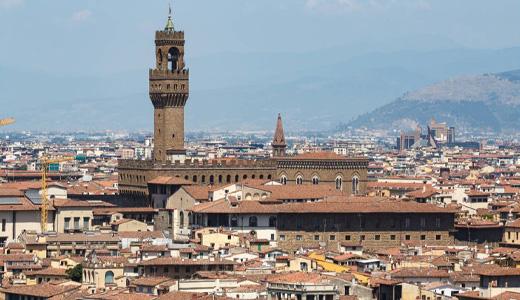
(261, 176)
(244, 177)
(181, 219)
(249, 197)
(355, 185)
(253, 176)
(194, 178)
(173, 58)
(109, 277)
(272, 221)
(339, 183)
(256, 196)
(203, 178)
(315, 180)
(228, 178)
(236, 178)
(299, 179)
(211, 179)
(253, 221)
(219, 178)
(186, 177)
(283, 180)
(269, 177)
(159, 56)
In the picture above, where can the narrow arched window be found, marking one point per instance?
(283, 180)
(299, 179)
(181, 219)
(228, 178)
(315, 180)
(339, 183)
(355, 185)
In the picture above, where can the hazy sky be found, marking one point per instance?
(111, 36)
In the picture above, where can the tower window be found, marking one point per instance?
(339, 183)
(299, 180)
(173, 58)
(315, 180)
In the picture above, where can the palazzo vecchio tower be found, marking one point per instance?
(169, 91)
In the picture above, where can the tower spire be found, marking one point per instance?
(278, 143)
(169, 23)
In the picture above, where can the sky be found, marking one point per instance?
(103, 38)
(97, 37)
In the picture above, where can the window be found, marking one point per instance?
(377, 237)
(339, 183)
(282, 237)
(66, 223)
(438, 237)
(234, 222)
(407, 237)
(392, 237)
(355, 185)
(173, 58)
(315, 180)
(253, 221)
(299, 179)
(181, 219)
(86, 223)
(362, 237)
(438, 222)
(166, 270)
(347, 237)
(272, 221)
(316, 237)
(272, 236)
(109, 277)
(3, 225)
(299, 237)
(423, 237)
(423, 222)
(407, 223)
(332, 237)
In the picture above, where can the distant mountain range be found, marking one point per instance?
(313, 91)
(488, 102)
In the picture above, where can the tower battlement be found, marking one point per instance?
(162, 35)
(156, 74)
(195, 163)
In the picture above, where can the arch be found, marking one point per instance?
(261, 176)
(219, 178)
(269, 177)
(181, 219)
(236, 178)
(264, 196)
(339, 182)
(159, 56)
(211, 179)
(194, 178)
(173, 58)
(253, 221)
(109, 277)
(203, 179)
(315, 179)
(283, 179)
(256, 196)
(186, 177)
(299, 179)
(228, 178)
(249, 196)
(253, 176)
(244, 177)
(355, 185)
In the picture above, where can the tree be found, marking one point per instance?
(75, 273)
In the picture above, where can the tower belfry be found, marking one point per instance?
(169, 91)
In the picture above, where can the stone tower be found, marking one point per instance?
(278, 143)
(169, 91)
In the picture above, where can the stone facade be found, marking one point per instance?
(169, 92)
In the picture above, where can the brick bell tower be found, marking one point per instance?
(169, 91)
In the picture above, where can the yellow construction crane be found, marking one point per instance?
(8, 121)
(45, 162)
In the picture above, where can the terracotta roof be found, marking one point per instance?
(298, 277)
(198, 192)
(48, 271)
(332, 205)
(419, 272)
(140, 234)
(151, 281)
(166, 261)
(81, 237)
(45, 290)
